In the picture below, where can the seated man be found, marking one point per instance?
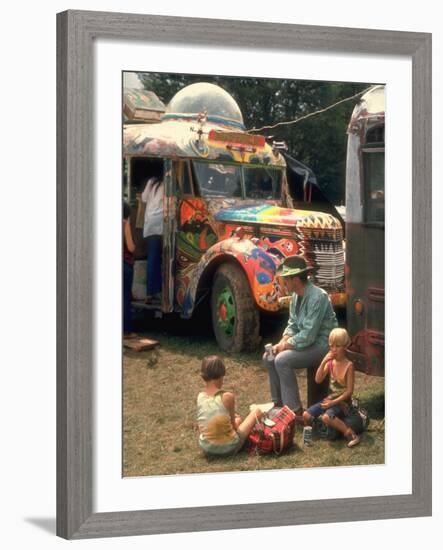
(305, 340)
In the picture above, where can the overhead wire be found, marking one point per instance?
(304, 117)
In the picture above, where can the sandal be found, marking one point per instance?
(355, 440)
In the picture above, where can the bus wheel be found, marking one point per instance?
(235, 317)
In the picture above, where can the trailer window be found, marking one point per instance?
(375, 136)
(218, 180)
(262, 183)
(181, 171)
(374, 185)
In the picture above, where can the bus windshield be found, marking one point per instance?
(218, 180)
(262, 183)
(234, 181)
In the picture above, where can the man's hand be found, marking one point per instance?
(281, 346)
(278, 347)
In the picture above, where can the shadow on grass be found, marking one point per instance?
(374, 402)
(245, 455)
(183, 334)
(369, 439)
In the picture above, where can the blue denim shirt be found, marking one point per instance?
(314, 321)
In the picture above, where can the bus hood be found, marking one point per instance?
(268, 214)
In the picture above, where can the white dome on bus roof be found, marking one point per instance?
(220, 106)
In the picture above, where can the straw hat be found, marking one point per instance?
(292, 266)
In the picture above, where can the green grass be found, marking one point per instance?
(160, 389)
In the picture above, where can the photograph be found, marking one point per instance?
(209, 359)
(253, 273)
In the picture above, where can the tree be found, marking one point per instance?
(319, 141)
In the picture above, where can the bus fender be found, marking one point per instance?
(257, 264)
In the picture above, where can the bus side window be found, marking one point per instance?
(183, 182)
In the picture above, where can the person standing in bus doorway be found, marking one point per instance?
(152, 233)
(305, 340)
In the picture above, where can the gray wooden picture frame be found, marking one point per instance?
(76, 32)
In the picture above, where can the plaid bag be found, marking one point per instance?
(273, 433)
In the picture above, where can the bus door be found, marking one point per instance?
(169, 237)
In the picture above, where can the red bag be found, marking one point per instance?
(273, 433)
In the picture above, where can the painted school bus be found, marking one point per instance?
(365, 231)
(229, 220)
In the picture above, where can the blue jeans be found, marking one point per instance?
(334, 411)
(281, 370)
(128, 277)
(153, 264)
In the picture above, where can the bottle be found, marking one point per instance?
(307, 435)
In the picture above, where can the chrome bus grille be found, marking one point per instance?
(328, 260)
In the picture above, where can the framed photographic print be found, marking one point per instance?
(239, 152)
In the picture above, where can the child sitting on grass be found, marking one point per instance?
(334, 408)
(222, 431)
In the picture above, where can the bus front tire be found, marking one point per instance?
(235, 317)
